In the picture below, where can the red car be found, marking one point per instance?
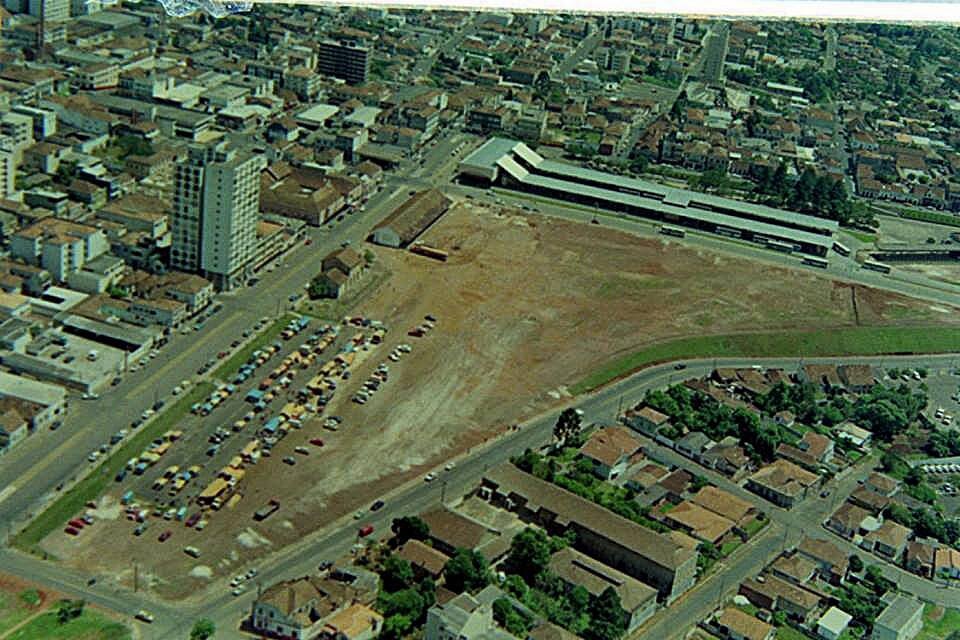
(317, 442)
(192, 520)
(308, 241)
(365, 530)
(165, 535)
(77, 523)
(71, 531)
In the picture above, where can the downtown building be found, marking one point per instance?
(715, 47)
(215, 210)
(345, 61)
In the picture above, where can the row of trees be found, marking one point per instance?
(698, 412)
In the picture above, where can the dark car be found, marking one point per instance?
(192, 520)
(115, 382)
(56, 425)
(165, 535)
(376, 506)
(679, 366)
(121, 475)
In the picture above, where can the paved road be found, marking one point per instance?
(583, 50)
(602, 406)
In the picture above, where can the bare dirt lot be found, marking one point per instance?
(526, 305)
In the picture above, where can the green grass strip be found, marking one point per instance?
(859, 341)
(931, 216)
(89, 625)
(70, 504)
(229, 368)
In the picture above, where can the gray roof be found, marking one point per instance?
(899, 612)
(500, 152)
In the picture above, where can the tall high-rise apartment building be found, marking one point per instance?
(715, 47)
(215, 207)
(50, 10)
(344, 60)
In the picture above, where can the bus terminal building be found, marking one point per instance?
(512, 164)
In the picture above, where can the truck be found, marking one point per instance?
(267, 510)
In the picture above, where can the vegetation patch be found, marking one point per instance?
(931, 216)
(89, 625)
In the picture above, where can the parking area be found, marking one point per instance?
(943, 391)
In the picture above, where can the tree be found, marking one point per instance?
(203, 629)
(395, 627)
(509, 618)
(68, 610)
(467, 570)
(608, 620)
(409, 528)
(530, 554)
(407, 603)
(856, 564)
(568, 425)
(397, 574)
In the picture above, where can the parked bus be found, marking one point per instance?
(841, 249)
(672, 231)
(876, 266)
(776, 245)
(815, 262)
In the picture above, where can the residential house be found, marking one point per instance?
(770, 592)
(701, 523)
(919, 558)
(833, 623)
(356, 622)
(847, 520)
(578, 569)
(646, 420)
(869, 500)
(694, 445)
(856, 435)
(782, 482)
(857, 377)
(450, 531)
(298, 609)
(831, 561)
(609, 451)
(818, 446)
(729, 459)
(463, 617)
(902, 619)
(882, 484)
(725, 504)
(889, 540)
(426, 561)
(794, 568)
(822, 375)
(946, 563)
(738, 625)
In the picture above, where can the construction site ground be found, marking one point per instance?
(525, 306)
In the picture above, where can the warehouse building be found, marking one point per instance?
(411, 219)
(514, 165)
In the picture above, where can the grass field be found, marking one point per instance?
(938, 629)
(271, 333)
(72, 502)
(791, 344)
(14, 609)
(89, 626)
(868, 238)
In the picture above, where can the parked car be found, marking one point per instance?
(290, 461)
(165, 536)
(376, 506)
(365, 530)
(145, 616)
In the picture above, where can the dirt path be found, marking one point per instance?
(23, 623)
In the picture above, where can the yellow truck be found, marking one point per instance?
(160, 484)
(177, 486)
(171, 471)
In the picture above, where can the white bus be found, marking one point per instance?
(841, 249)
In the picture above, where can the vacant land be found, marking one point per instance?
(939, 623)
(525, 306)
(91, 625)
(18, 601)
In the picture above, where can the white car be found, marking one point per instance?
(449, 466)
(145, 616)
(430, 477)
(252, 573)
(93, 456)
(239, 591)
(177, 391)
(237, 581)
